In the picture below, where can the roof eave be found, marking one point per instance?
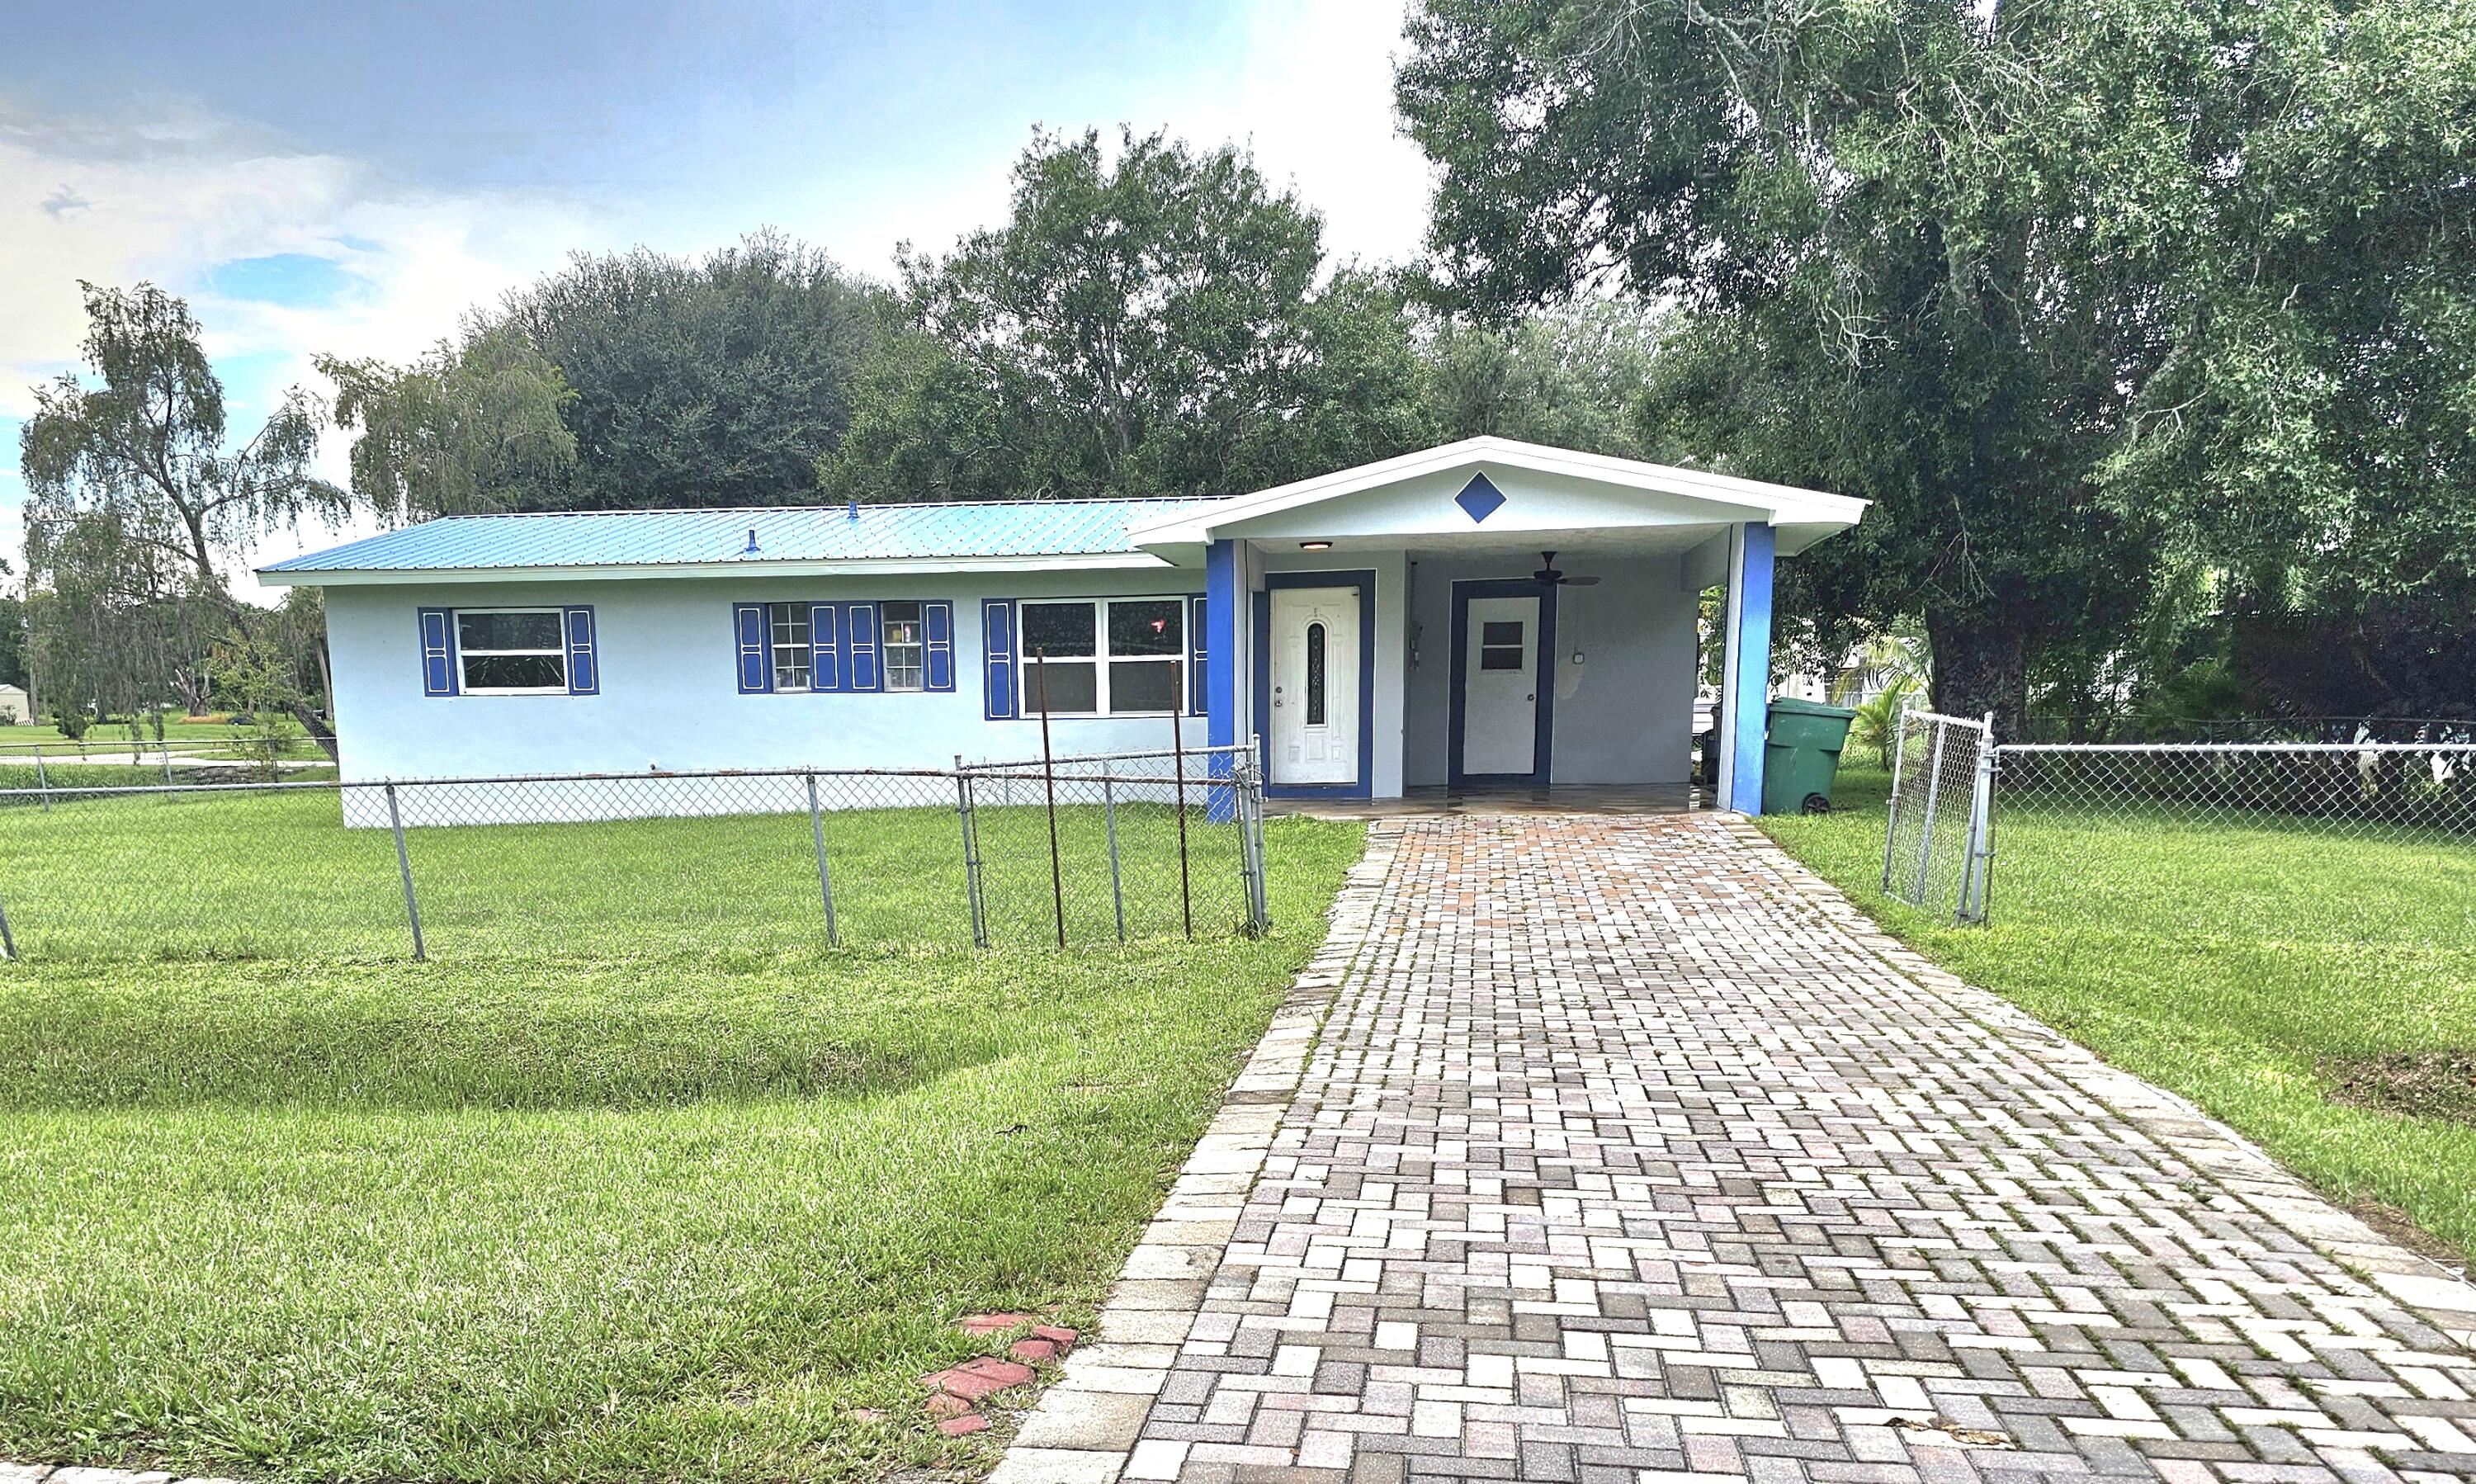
(382, 577)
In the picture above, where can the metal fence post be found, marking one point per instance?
(1117, 883)
(43, 779)
(1971, 907)
(167, 768)
(403, 869)
(1934, 790)
(1892, 812)
(825, 881)
(1251, 784)
(971, 855)
(8, 939)
(1049, 783)
(1177, 750)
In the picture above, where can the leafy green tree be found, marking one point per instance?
(717, 381)
(2311, 428)
(1161, 324)
(1920, 244)
(146, 449)
(12, 642)
(134, 496)
(1571, 377)
(472, 426)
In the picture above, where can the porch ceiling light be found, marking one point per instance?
(1315, 546)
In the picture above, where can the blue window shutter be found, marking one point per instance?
(825, 646)
(755, 671)
(863, 647)
(938, 619)
(997, 656)
(583, 662)
(1195, 656)
(438, 651)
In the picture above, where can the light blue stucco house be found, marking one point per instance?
(1379, 629)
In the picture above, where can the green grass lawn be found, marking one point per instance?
(2249, 967)
(626, 1212)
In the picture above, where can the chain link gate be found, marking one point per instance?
(1938, 836)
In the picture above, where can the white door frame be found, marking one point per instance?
(1261, 663)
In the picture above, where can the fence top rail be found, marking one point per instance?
(1919, 714)
(1225, 749)
(2237, 747)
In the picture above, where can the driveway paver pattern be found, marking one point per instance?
(1629, 1152)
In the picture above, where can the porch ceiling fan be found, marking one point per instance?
(1555, 578)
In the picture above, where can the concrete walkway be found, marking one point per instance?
(1630, 1151)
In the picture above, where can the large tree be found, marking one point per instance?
(2311, 423)
(472, 426)
(145, 448)
(1957, 257)
(1160, 322)
(715, 381)
(1574, 376)
(136, 497)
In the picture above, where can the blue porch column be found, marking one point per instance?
(1745, 668)
(1222, 624)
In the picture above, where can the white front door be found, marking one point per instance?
(1315, 721)
(1500, 687)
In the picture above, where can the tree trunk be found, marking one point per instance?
(1981, 664)
(316, 726)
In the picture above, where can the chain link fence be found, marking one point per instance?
(1077, 851)
(1937, 840)
(2070, 810)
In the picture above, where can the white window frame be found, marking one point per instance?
(1100, 659)
(807, 614)
(886, 646)
(463, 678)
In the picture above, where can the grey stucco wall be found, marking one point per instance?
(1629, 716)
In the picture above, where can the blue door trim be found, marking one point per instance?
(1364, 579)
(1542, 747)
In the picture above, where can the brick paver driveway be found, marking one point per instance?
(1630, 1150)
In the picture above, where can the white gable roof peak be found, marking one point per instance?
(1803, 515)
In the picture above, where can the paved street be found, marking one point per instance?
(1630, 1151)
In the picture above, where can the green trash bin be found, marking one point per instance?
(1801, 755)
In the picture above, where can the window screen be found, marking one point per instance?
(1500, 645)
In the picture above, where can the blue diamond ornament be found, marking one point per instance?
(1479, 497)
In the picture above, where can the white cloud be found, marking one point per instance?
(1312, 93)
(169, 198)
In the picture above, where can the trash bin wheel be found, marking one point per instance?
(1816, 803)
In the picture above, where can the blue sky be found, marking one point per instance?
(349, 178)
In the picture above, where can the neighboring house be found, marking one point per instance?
(1377, 628)
(17, 709)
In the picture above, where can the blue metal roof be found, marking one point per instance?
(963, 531)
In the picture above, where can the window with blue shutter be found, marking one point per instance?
(438, 651)
(997, 657)
(862, 631)
(584, 663)
(1195, 632)
(938, 618)
(825, 627)
(756, 667)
